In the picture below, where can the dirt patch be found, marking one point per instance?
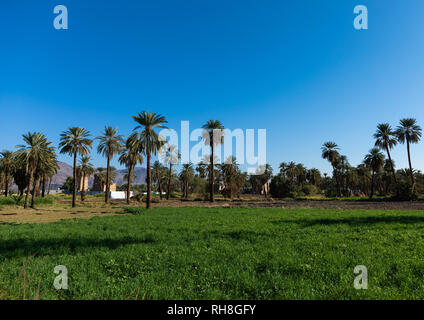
(52, 214)
(59, 211)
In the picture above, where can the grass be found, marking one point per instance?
(217, 253)
(16, 200)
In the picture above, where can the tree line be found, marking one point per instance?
(34, 163)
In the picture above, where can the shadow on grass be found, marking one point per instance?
(356, 221)
(53, 246)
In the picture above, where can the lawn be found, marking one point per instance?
(217, 253)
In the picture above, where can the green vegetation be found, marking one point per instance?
(193, 253)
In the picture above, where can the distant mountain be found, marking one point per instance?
(65, 170)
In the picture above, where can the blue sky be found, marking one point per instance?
(296, 68)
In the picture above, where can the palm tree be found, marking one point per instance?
(75, 141)
(329, 152)
(314, 176)
(46, 165)
(157, 174)
(149, 141)
(110, 144)
(213, 135)
(51, 170)
(85, 169)
(375, 161)
(171, 156)
(186, 177)
(33, 152)
(130, 156)
(385, 139)
(408, 131)
(7, 161)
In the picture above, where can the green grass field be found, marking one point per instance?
(200, 253)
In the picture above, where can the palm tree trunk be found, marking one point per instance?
(372, 185)
(160, 187)
(83, 188)
(31, 178)
(6, 183)
(391, 163)
(211, 174)
(336, 177)
(129, 184)
(409, 161)
(49, 187)
(34, 192)
(74, 189)
(149, 178)
(107, 180)
(43, 189)
(169, 181)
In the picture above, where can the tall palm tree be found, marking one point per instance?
(7, 161)
(385, 139)
(31, 153)
(330, 153)
(110, 144)
(75, 141)
(213, 135)
(408, 131)
(171, 156)
(85, 169)
(130, 156)
(375, 161)
(149, 141)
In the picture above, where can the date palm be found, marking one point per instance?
(170, 156)
(130, 156)
(157, 175)
(35, 150)
(408, 131)
(7, 161)
(213, 135)
(186, 177)
(110, 145)
(330, 153)
(75, 141)
(85, 169)
(149, 141)
(375, 161)
(385, 139)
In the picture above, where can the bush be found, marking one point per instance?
(310, 189)
(283, 188)
(20, 200)
(7, 201)
(405, 191)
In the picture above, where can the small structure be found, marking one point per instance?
(115, 195)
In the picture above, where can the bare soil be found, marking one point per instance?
(96, 208)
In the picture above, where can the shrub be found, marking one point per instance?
(7, 201)
(310, 189)
(405, 191)
(283, 188)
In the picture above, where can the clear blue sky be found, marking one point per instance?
(297, 68)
